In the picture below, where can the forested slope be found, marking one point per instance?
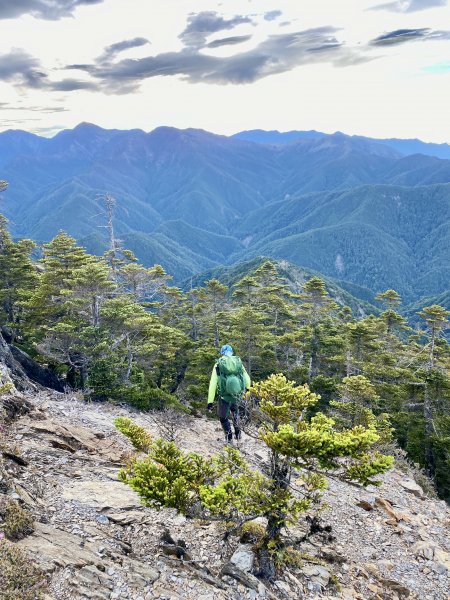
(118, 331)
(349, 207)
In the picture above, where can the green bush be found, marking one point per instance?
(137, 435)
(168, 477)
(226, 487)
(146, 397)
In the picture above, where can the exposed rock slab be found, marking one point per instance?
(35, 371)
(102, 495)
(317, 573)
(72, 438)
(53, 548)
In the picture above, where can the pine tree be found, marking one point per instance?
(315, 310)
(64, 310)
(436, 387)
(18, 277)
(62, 258)
(141, 343)
(392, 320)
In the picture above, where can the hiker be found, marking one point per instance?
(229, 380)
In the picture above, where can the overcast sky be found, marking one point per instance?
(359, 66)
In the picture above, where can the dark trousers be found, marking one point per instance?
(227, 407)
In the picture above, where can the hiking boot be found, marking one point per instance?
(238, 434)
(229, 439)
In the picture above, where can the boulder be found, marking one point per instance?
(243, 558)
(317, 574)
(11, 371)
(412, 487)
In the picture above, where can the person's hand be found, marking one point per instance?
(210, 407)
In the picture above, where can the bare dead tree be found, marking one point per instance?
(114, 243)
(170, 423)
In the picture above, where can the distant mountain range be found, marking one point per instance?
(358, 210)
(405, 147)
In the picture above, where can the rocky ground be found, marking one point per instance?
(95, 541)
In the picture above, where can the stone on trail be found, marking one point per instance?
(412, 487)
(317, 574)
(126, 518)
(244, 558)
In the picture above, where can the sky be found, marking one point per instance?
(366, 67)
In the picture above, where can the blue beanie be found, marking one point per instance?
(226, 350)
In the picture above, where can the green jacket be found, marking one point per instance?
(214, 382)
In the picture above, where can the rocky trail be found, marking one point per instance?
(95, 541)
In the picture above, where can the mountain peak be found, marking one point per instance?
(86, 126)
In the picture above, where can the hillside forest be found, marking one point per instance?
(121, 332)
(366, 213)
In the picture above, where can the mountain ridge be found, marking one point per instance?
(198, 200)
(405, 146)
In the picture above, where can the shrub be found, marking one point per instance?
(17, 521)
(137, 435)
(147, 398)
(168, 477)
(5, 388)
(226, 487)
(19, 578)
(252, 533)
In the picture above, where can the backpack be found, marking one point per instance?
(231, 376)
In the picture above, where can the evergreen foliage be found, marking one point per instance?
(122, 332)
(225, 486)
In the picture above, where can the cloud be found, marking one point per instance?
(24, 71)
(277, 54)
(14, 122)
(229, 41)
(406, 6)
(112, 51)
(201, 25)
(21, 69)
(71, 85)
(272, 15)
(41, 109)
(47, 131)
(41, 9)
(400, 36)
